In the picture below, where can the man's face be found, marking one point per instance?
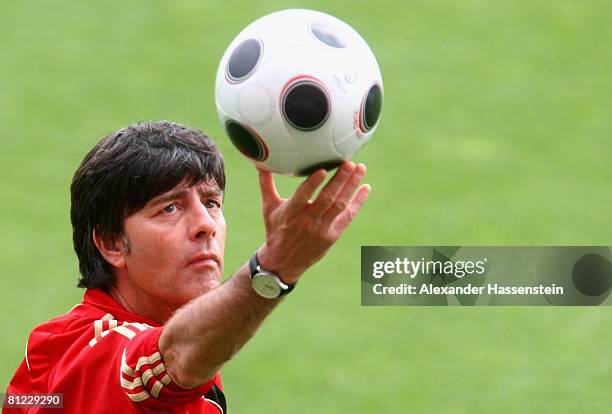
(176, 244)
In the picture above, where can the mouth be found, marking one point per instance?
(204, 260)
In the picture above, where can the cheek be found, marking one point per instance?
(220, 238)
(150, 252)
(221, 233)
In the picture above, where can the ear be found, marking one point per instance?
(113, 252)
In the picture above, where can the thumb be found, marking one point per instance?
(267, 186)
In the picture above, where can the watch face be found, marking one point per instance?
(266, 285)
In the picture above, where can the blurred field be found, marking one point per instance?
(496, 129)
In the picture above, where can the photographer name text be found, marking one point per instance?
(430, 269)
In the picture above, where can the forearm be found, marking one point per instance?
(207, 332)
(200, 337)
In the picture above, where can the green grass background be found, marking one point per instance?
(496, 129)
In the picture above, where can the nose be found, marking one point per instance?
(202, 225)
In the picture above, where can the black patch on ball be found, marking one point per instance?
(244, 59)
(326, 34)
(373, 107)
(305, 106)
(592, 274)
(245, 141)
(328, 165)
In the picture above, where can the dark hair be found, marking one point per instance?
(122, 173)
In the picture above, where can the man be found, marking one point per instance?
(156, 324)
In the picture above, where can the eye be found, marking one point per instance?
(212, 204)
(170, 208)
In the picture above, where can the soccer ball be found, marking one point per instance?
(298, 90)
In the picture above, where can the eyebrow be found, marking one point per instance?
(174, 195)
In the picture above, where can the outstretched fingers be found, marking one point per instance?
(329, 194)
(345, 194)
(304, 192)
(344, 218)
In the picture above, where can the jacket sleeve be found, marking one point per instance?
(144, 378)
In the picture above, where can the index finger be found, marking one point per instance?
(302, 194)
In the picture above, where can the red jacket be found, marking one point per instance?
(105, 359)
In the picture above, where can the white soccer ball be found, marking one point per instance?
(298, 90)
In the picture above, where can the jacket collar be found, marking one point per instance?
(102, 300)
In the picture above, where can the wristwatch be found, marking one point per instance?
(265, 283)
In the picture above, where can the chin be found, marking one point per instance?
(207, 282)
(195, 285)
(209, 285)
(183, 296)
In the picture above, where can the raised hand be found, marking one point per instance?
(300, 231)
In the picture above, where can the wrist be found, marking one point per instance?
(287, 273)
